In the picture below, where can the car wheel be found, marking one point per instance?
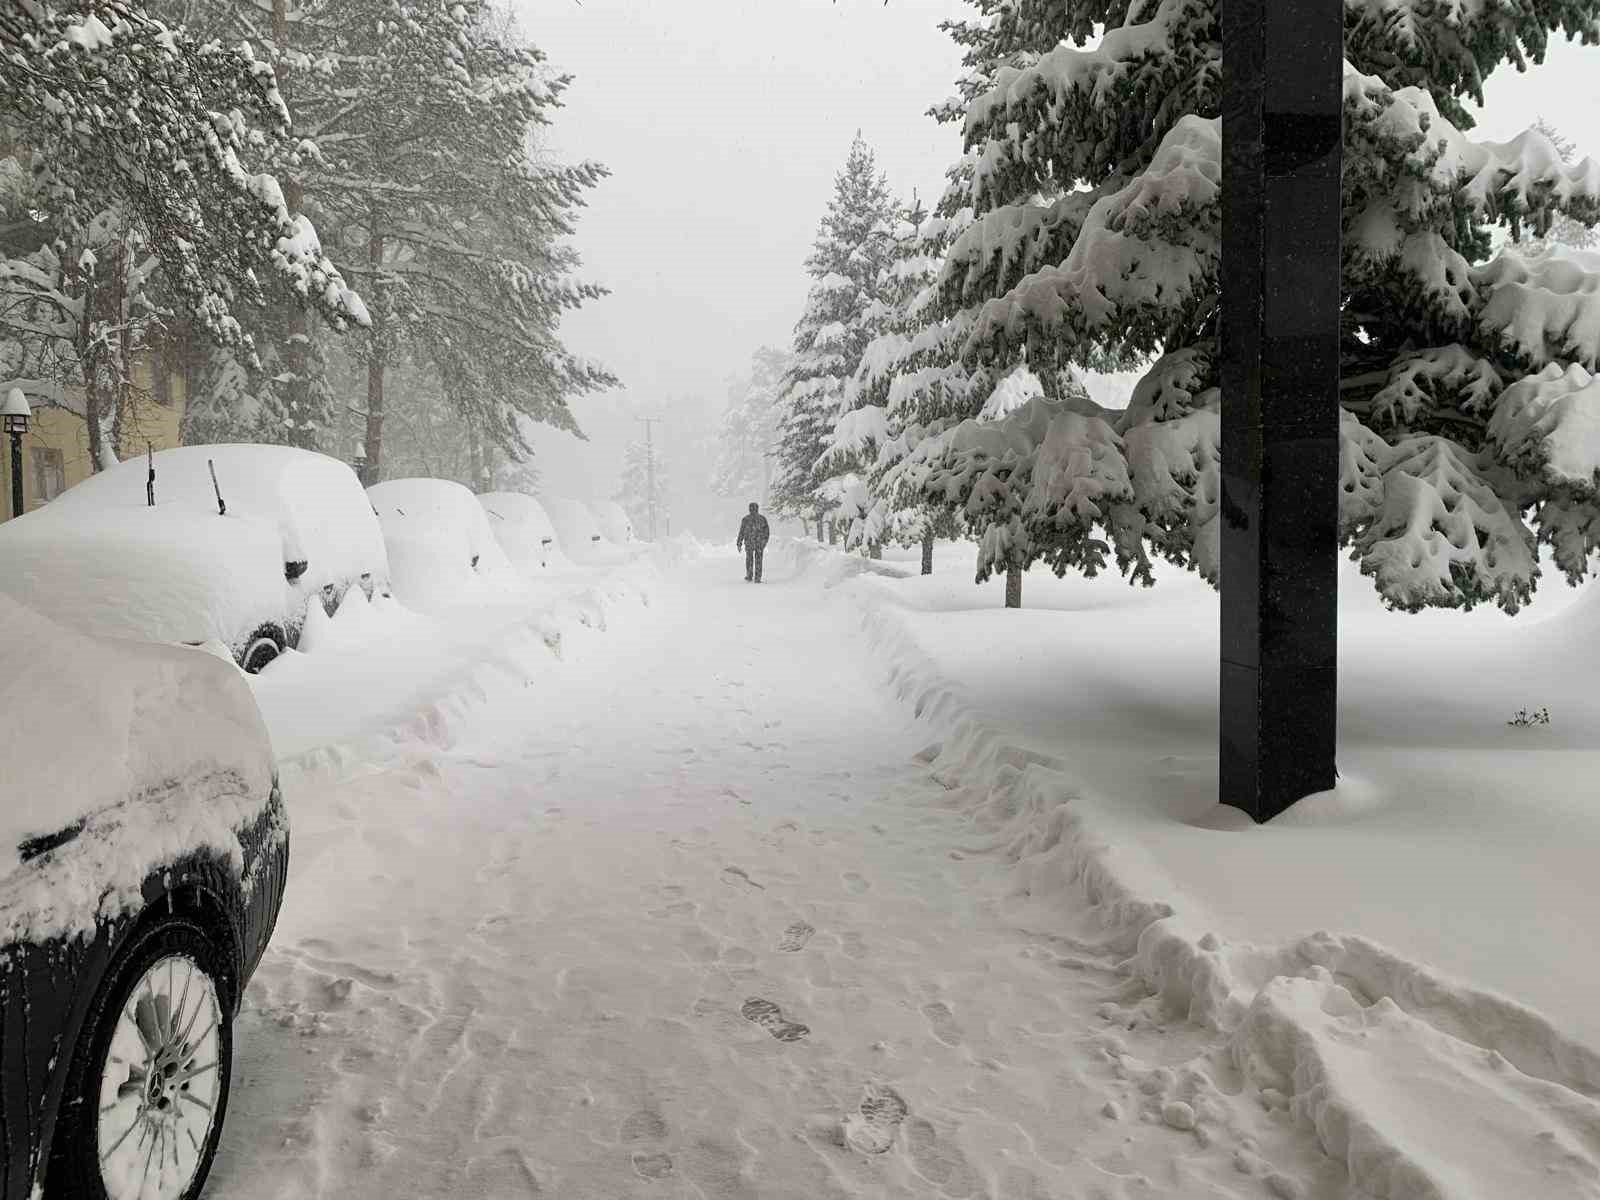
(145, 1101)
(264, 646)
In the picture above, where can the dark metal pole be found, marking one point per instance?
(1282, 152)
(16, 474)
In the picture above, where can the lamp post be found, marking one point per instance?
(17, 415)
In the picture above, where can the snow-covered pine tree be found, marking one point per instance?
(148, 216)
(868, 436)
(853, 246)
(748, 435)
(1466, 378)
(426, 112)
(642, 488)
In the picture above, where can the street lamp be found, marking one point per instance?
(17, 415)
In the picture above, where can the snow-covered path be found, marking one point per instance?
(687, 917)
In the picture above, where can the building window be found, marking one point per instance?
(49, 473)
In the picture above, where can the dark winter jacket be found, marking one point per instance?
(754, 530)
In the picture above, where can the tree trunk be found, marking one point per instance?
(927, 554)
(375, 367)
(874, 549)
(819, 529)
(833, 534)
(1013, 587)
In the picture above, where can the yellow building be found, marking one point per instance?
(55, 450)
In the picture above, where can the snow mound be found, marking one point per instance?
(94, 724)
(525, 532)
(441, 548)
(1423, 1085)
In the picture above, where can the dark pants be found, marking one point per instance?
(752, 562)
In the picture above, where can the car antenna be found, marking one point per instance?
(150, 480)
(222, 509)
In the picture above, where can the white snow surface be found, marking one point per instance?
(525, 532)
(1402, 967)
(161, 748)
(551, 856)
(441, 549)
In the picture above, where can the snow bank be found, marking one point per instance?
(1079, 738)
(525, 532)
(441, 548)
(92, 725)
(385, 675)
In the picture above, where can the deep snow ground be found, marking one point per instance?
(566, 947)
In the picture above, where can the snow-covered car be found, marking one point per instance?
(143, 851)
(291, 528)
(577, 530)
(615, 524)
(525, 532)
(441, 548)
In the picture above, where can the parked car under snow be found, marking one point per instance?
(441, 548)
(525, 532)
(615, 524)
(292, 528)
(578, 531)
(143, 852)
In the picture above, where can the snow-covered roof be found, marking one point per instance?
(92, 723)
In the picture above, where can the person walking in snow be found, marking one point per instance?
(753, 535)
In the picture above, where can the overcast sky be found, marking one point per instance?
(723, 123)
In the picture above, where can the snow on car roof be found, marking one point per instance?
(521, 525)
(315, 502)
(434, 530)
(91, 723)
(166, 574)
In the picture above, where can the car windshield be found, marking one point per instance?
(843, 598)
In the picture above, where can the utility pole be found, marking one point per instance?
(650, 469)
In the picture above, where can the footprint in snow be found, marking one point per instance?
(736, 877)
(795, 937)
(940, 1163)
(770, 1017)
(645, 1125)
(652, 1166)
(854, 883)
(872, 1128)
(943, 1022)
(852, 945)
